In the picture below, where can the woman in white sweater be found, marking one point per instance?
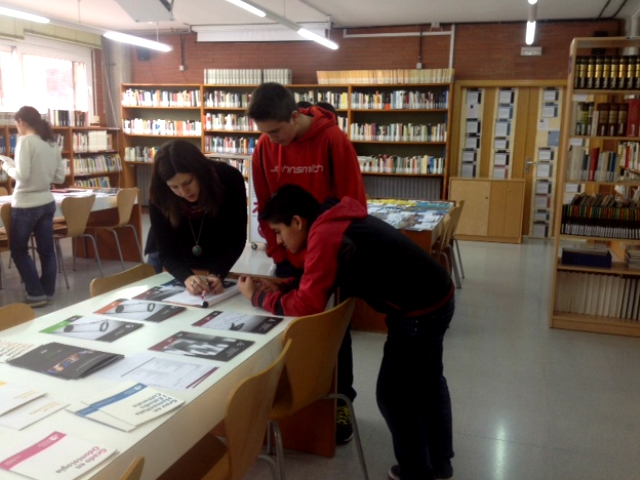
(38, 164)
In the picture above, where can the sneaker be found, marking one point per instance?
(442, 474)
(49, 299)
(34, 302)
(344, 429)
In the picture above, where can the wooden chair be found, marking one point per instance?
(3, 192)
(102, 285)
(15, 314)
(76, 212)
(5, 245)
(245, 423)
(125, 199)
(310, 370)
(439, 249)
(134, 472)
(454, 240)
(455, 219)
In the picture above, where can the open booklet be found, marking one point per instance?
(126, 406)
(175, 292)
(56, 456)
(64, 361)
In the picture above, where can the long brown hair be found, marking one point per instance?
(180, 156)
(32, 117)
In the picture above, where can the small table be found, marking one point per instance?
(420, 221)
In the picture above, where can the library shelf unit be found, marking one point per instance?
(400, 131)
(598, 202)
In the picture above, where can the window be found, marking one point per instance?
(46, 75)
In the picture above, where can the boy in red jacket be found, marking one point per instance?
(305, 147)
(369, 259)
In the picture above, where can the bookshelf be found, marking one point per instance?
(597, 212)
(400, 131)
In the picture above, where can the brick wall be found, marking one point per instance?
(482, 51)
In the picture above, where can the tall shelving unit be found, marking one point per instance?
(400, 131)
(597, 299)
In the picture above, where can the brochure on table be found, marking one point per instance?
(126, 406)
(200, 345)
(240, 322)
(140, 310)
(175, 292)
(56, 456)
(93, 328)
(31, 412)
(13, 396)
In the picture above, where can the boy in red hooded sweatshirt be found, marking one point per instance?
(303, 147)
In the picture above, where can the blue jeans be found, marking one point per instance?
(39, 221)
(413, 395)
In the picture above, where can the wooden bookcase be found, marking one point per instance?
(595, 299)
(225, 130)
(91, 154)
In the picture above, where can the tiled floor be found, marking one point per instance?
(529, 402)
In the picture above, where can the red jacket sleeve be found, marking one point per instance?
(263, 193)
(347, 177)
(319, 277)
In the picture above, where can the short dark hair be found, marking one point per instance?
(304, 104)
(327, 106)
(32, 117)
(181, 156)
(271, 101)
(287, 201)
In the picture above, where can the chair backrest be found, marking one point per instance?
(3, 192)
(126, 199)
(102, 285)
(134, 472)
(309, 370)
(5, 215)
(76, 212)
(247, 415)
(445, 236)
(15, 314)
(455, 214)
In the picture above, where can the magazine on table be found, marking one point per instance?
(174, 291)
(56, 456)
(92, 328)
(126, 406)
(140, 310)
(64, 361)
(202, 346)
(240, 322)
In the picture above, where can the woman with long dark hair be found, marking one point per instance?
(198, 213)
(38, 164)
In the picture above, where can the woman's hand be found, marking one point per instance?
(197, 284)
(215, 283)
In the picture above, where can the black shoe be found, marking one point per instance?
(344, 429)
(445, 473)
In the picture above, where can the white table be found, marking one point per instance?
(166, 439)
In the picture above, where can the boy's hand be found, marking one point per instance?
(268, 285)
(247, 286)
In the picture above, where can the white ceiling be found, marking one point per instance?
(108, 14)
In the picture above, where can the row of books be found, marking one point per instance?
(241, 165)
(215, 144)
(592, 165)
(423, 164)
(93, 141)
(68, 118)
(247, 76)
(602, 295)
(339, 100)
(139, 154)
(135, 97)
(632, 256)
(398, 132)
(97, 164)
(582, 199)
(400, 99)
(9, 118)
(224, 99)
(229, 121)
(607, 119)
(607, 72)
(94, 182)
(406, 76)
(142, 126)
(603, 222)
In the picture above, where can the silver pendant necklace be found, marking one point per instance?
(196, 250)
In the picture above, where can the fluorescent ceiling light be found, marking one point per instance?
(288, 23)
(531, 31)
(25, 16)
(532, 2)
(140, 42)
(248, 8)
(317, 38)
